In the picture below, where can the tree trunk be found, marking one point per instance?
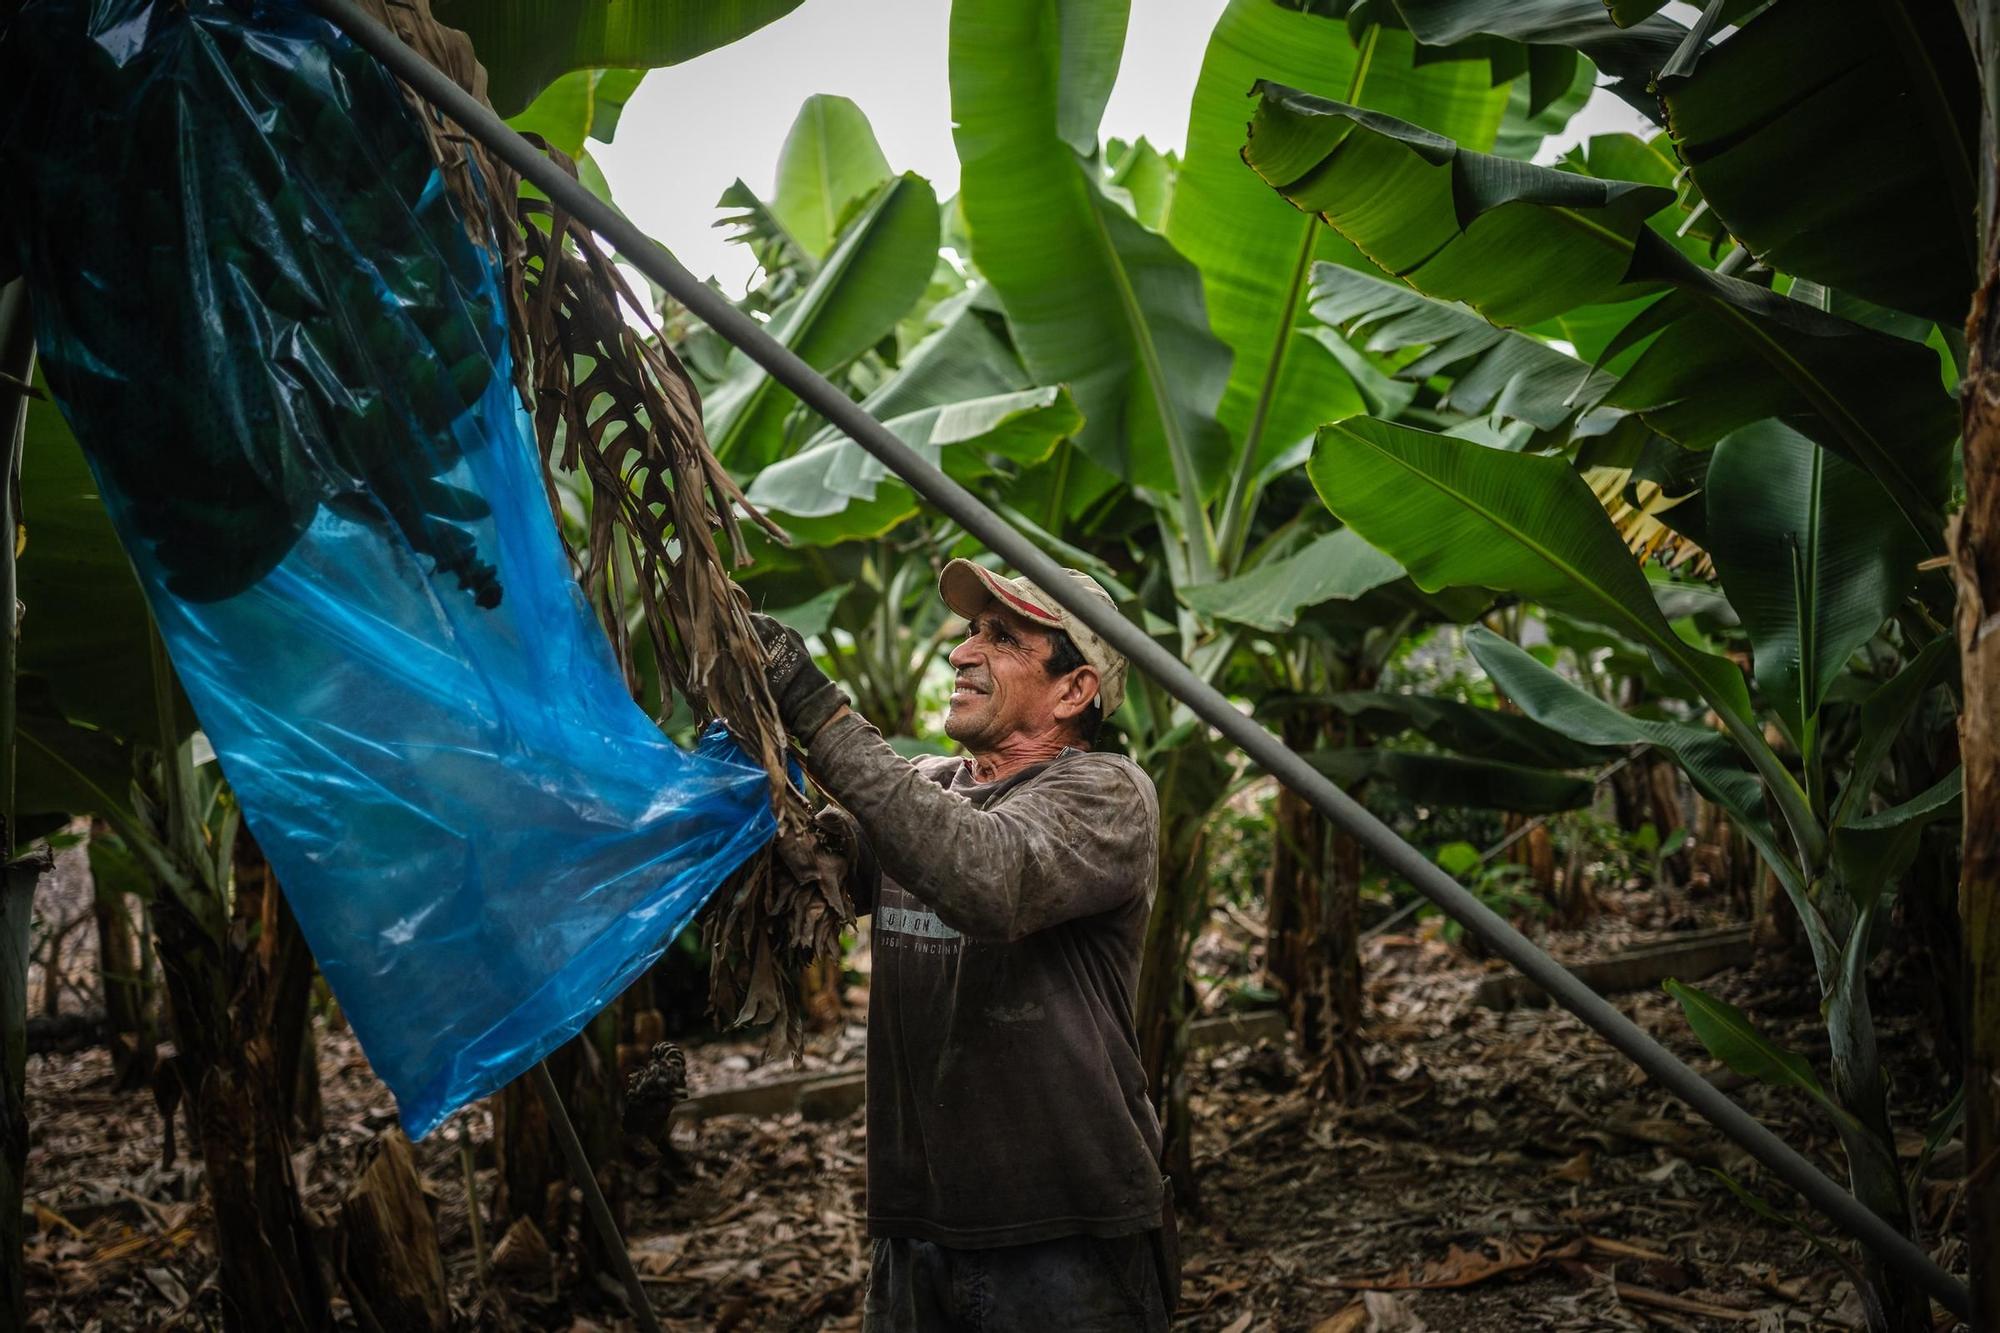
(1976, 566)
(534, 1177)
(391, 1265)
(1330, 1024)
(1322, 947)
(125, 1018)
(17, 899)
(1663, 783)
(1298, 861)
(1283, 885)
(225, 1062)
(285, 966)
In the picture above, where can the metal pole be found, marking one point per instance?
(960, 505)
(593, 1198)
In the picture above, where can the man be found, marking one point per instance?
(1013, 1155)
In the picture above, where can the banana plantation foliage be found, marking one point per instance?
(1610, 513)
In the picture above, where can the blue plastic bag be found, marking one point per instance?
(288, 365)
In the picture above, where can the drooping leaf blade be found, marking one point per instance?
(1522, 244)
(526, 44)
(1838, 140)
(1628, 57)
(1883, 714)
(1490, 369)
(1454, 223)
(1871, 852)
(1712, 764)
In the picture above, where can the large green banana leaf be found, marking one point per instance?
(1477, 733)
(1519, 243)
(881, 266)
(62, 769)
(965, 360)
(1490, 369)
(1627, 157)
(1838, 139)
(1813, 555)
(1732, 1038)
(1254, 253)
(1533, 36)
(1339, 566)
(1453, 781)
(836, 491)
(1719, 354)
(1095, 300)
(527, 44)
(1522, 244)
(830, 160)
(1457, 513)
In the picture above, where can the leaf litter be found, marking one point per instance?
(1505, 1172)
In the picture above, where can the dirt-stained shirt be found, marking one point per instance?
(1006, 1101)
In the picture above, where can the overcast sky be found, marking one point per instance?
(694, 128)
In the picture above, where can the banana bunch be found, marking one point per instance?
(277, 307)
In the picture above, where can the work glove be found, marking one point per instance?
(806, 699)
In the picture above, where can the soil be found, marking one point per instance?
(1505, 1171)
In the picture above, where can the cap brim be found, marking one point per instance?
(969, 588)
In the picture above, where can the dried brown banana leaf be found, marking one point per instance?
(612, 403)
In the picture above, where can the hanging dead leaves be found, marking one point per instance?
(613, 405)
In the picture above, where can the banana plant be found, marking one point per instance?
(1816, 559)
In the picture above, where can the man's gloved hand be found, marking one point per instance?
(806, 699)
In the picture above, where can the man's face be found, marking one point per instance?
(1003, 685)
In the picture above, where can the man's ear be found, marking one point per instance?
(1079, 687)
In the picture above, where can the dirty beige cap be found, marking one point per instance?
(968, 589)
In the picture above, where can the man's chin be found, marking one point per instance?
(960, 726)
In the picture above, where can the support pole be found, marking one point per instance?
(593, 1198)
(960, 505)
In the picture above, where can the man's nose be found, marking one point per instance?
(965, 655)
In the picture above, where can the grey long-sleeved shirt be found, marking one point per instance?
(1006, 1103)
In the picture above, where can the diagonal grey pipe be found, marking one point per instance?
(959, 504)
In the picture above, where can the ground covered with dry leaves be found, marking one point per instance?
(1505, 1172)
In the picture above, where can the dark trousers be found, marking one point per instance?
(1074, 1284)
